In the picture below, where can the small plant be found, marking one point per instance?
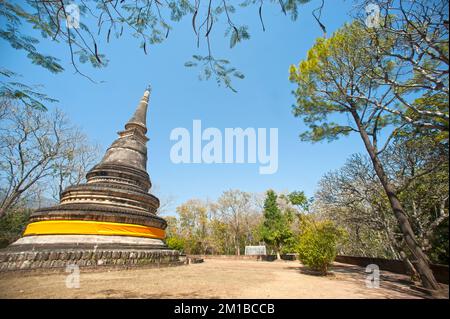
(175, 243)
(12, 226)
(318, 243)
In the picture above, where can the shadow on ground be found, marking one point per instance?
(395, 282)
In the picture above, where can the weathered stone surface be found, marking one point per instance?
(43, 256)
(21, 256)
(87, 255)
(53, 255)
(78, 255)
(120, 261)
(115, 254)
(60, 259)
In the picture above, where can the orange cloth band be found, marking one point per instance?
(85, 227)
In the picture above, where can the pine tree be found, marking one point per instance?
(275, 229)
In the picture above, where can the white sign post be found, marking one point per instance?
(255, 250)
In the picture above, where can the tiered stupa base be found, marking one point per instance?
(56, 257)
(56, 252)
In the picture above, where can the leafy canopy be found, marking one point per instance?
(150, 22)
(275, 229)
(370, 75)
(330, 81)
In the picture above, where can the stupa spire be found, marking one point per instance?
(130, 147)
(140, 115)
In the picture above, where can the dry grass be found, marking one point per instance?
(211, 279)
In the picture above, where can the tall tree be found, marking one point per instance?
(353, 197)
(299, 199)
(336, 96)
(275, 229)
(236, 210)
(193, 225)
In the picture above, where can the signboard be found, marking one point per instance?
(255, 250)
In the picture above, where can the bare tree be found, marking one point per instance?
(237, 209)
(353, 198)
(166, 201)
(194, 218)
(37, 147)
(71, 168)
(410, 47)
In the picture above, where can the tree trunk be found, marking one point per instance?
(8, 203)
(409, 266)
(398, 250)
(422, 263)
(278, 255)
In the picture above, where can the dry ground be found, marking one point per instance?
(212, 279)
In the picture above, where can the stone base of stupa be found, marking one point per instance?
(57, 252)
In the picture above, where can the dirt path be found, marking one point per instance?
(211, 279)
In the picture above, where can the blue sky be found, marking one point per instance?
(263, 100)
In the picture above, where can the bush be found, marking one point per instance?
(12, 225)
(318, 242)
(290, 246)
(175, 243)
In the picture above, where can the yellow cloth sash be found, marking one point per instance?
(85, 227)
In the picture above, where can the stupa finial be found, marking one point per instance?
(140, 115)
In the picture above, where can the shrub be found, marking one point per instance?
(318, 242)
(175, 243)
(290, 245)
(12, 226)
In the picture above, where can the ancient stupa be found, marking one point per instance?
(110, 220)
